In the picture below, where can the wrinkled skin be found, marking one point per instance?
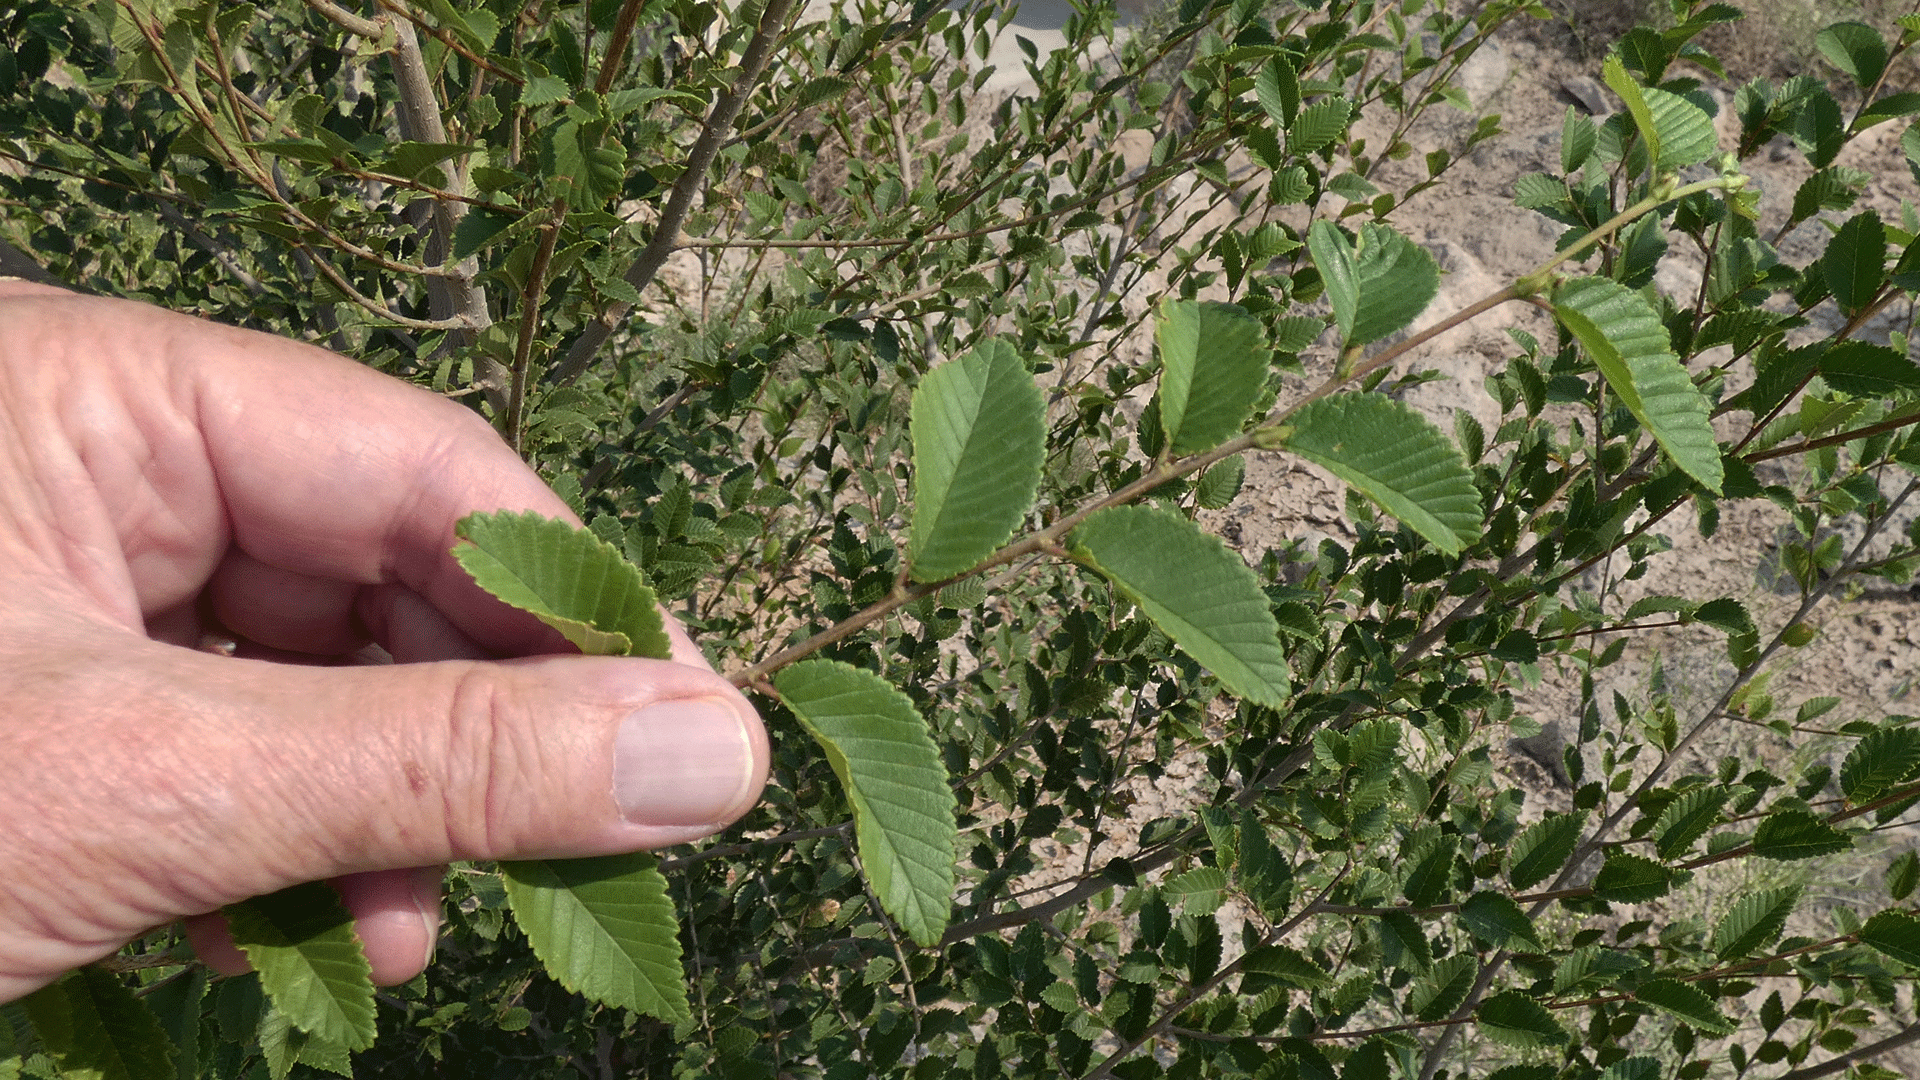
(162, 477)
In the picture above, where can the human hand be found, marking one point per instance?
(160, 470)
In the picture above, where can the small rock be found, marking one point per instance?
(1586, 93)
(1548, 749)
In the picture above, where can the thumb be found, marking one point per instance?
(245, 777)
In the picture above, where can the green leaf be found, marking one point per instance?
(1514, 1019)
(1578, 137)
(1397, 280)
(1278, 90)
(1286, 965)
(94, 1028)
(1820, 132)
(1686, 819)
(1878, 762)
(1626, 878)
(979, 440)
(1220, 484)
(1629, 344)
(1295, 332)
(1543, 847)
(1903, 874)
(1685, 1001)
(1686, 131)
(1495, 919)
(1856, 49)
(1855, 262)
(1754, 921)
(1794, 833)
(902, 804)
(1199, 890)
(604, 928)
(579, 152)
(1318, 125)
(1194, 589)
(178, 1003)
(1443, 987)
(1333, 255)
(1891, 107)
(284, 1046)
(1895, 934)
(410, 159)
(1395, 457)
(1432, 867)
(1614, 72)
(311, 966)
(1214, 366)
(569, 578)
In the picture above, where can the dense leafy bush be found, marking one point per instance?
(845, 347)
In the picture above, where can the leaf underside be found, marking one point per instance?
(1193, 588)
(1214, 363)
(979, 440)
(566, 577)
(311, 965)
(604, 928)
(1392, 455)
(1626, 340)
(903, 805)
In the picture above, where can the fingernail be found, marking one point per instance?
(682, 763)
(428, 886)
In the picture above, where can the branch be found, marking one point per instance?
(666, 233)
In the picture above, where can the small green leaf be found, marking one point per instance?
(1821, 131)
(1895, 934)
(604, 928)
(1903, 874)
(1878, 762)
(1397, 280)
(1333, 255)
(1578, 137)
(1395, 457)
(94, 1028)
(1685, 1001)
(1856, 49)
(569, 578)
(1686, 819)
(979, 440)
(1686, 131)
(284, 1046)
(1794, 833)
(880, 749)
(1614, 72)
(1855, 262)
(1318, 125)
(596, 165)
(1629, 344)
(1514, 1019)
(1627, 878)
(1431, 868)
(410, 159)
(1295, 332)
(1754, 921)
(1443, 987)
(1495, 919)
(1213, 360)
(1195, 590)
(1199, 890)
(1220, 484)
(311, 966)
(1543, 847)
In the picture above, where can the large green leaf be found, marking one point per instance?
(902, 803)
(1214, 363)
(1495, 919)
(1864, 369)
(1629, 344)
(1614, 72)
(1193, 588)
(1855, 262)
(1515, 1019)
(1543, 847)
(1443, 987)
(582, 153)
(1896, 934)
(569, 578)
(1686, 131)
(604, 928)
(1879, 761)
(1392, 455)
(1754, 921)
(1626, 878)
(1794, 833)
(1686, 819)
(1398, 279)
(311, 966)
(979, 439)
(1686, 1001)
(1855, 48)
(94, 1028)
